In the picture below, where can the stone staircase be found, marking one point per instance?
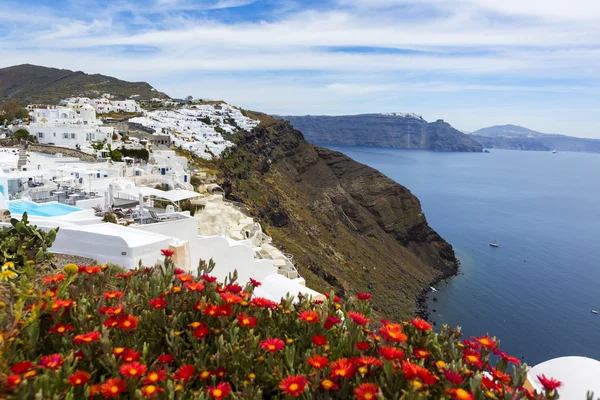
(22, 158)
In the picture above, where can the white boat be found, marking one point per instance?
(594, 312)
(494, 244)
(554, 151)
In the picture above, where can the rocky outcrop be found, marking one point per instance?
(405, 131)
(349, 227)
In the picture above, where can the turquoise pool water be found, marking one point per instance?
(40, 210)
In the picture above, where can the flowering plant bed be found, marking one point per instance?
(90, 332)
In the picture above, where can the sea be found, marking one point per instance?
(535, 292)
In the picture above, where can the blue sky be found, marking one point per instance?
(473, 63)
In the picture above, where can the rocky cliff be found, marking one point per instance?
(349, 227)
(407, 131)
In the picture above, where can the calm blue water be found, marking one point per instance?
(535, 293)
(40, 210)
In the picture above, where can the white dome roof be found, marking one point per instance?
(87, 107)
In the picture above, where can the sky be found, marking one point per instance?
(474, 63)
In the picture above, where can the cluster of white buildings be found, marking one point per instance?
(103, 105)
(198, 128)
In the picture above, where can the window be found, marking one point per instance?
(73, 136)
(40, 135)
(65, 135)
(54, 134)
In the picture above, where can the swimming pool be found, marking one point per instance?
(52, 209)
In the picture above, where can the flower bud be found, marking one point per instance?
(71, 269)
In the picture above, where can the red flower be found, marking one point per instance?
(133, 370)
(52, 361)
(549, 384)
(167, 252)
(310, 317)
(127, 275)
(178, 271)
(154, 377)
(184, 373)
(165, 359)
(363, 296)
(54, 279)
(293, 385)
(128, 323)
(13, 380)
(506, 357)
(219, 372)
(79, 378)
(115, 310)
(204, 375)
(60, 303)
(201, 331)
(151, 390)
(420, 353)
(392, 332)
(319, 340)
(487, 342)
(391, 353)
(462, 394)
(112, 322)
(342, 368)
(231, 298)
(130, 355)
(211, 309)
(318, 361)
(501, 376)
(472, 358)
(113, 387)
(222, 390)
(426, 376)
(225, 310)
(263, 303)
(244, 320)
(112, 295)
(22, 367)
(358, 318)
(184, 278)
(335, 298)
(208, 278)
(420, 324)
(453, 377)
(328, 384)
(158, 303)
(90, 270)
(233, 288)
(363, 346)
(255, 283)
(272, 344)
(87, 337)
(411, 371)
(194, 286)
(367, 360)
(366, 391)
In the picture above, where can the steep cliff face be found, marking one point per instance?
(349, 227)
(405, 131)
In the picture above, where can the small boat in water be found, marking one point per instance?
(553, 151)
(594, 312)
(494, 244)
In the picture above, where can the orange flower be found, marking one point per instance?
(151, 390)
(222, 390)
(501, 376)
(328, 384)
(421, 353)
(60, 303)
(194, 287)
(461, 394)
(112, 295)
(293, 385)
(272, 344)
(184, 278)
(366, 391)
(549, 384)
(87, 337)
(358, 318)
(128, 323)
(115, 310)
(52, 361)
(391, 353)
(231, 298)
(184, 373)
(263, 303)
(487, 342)
(473, 358)
(154, 377)
(22, 367)
(113, 387)
(54, 279)
(318, 361)
(420, 324)
(310, 317)
(204, 375)
(342, 368)
(244, 320)
(79, 378)
(90, 270)
(157, 303)
(133, 370)
(319, 340)
(392, 332)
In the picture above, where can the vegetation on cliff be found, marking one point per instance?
(349, 227)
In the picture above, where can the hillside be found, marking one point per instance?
(31, 84)
(407, 131)
(514, 137)
(349, 227)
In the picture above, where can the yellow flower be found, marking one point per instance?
(71, 269)
(252, 376)
(8, 264)
(289, 340)
(2, 305)
(440, 364)
(8, 274)
(417, 385)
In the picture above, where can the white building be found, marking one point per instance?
(126, 106)
(103, 105)
(65, 127)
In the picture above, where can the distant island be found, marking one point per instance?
(397, 130)
(514, 137)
